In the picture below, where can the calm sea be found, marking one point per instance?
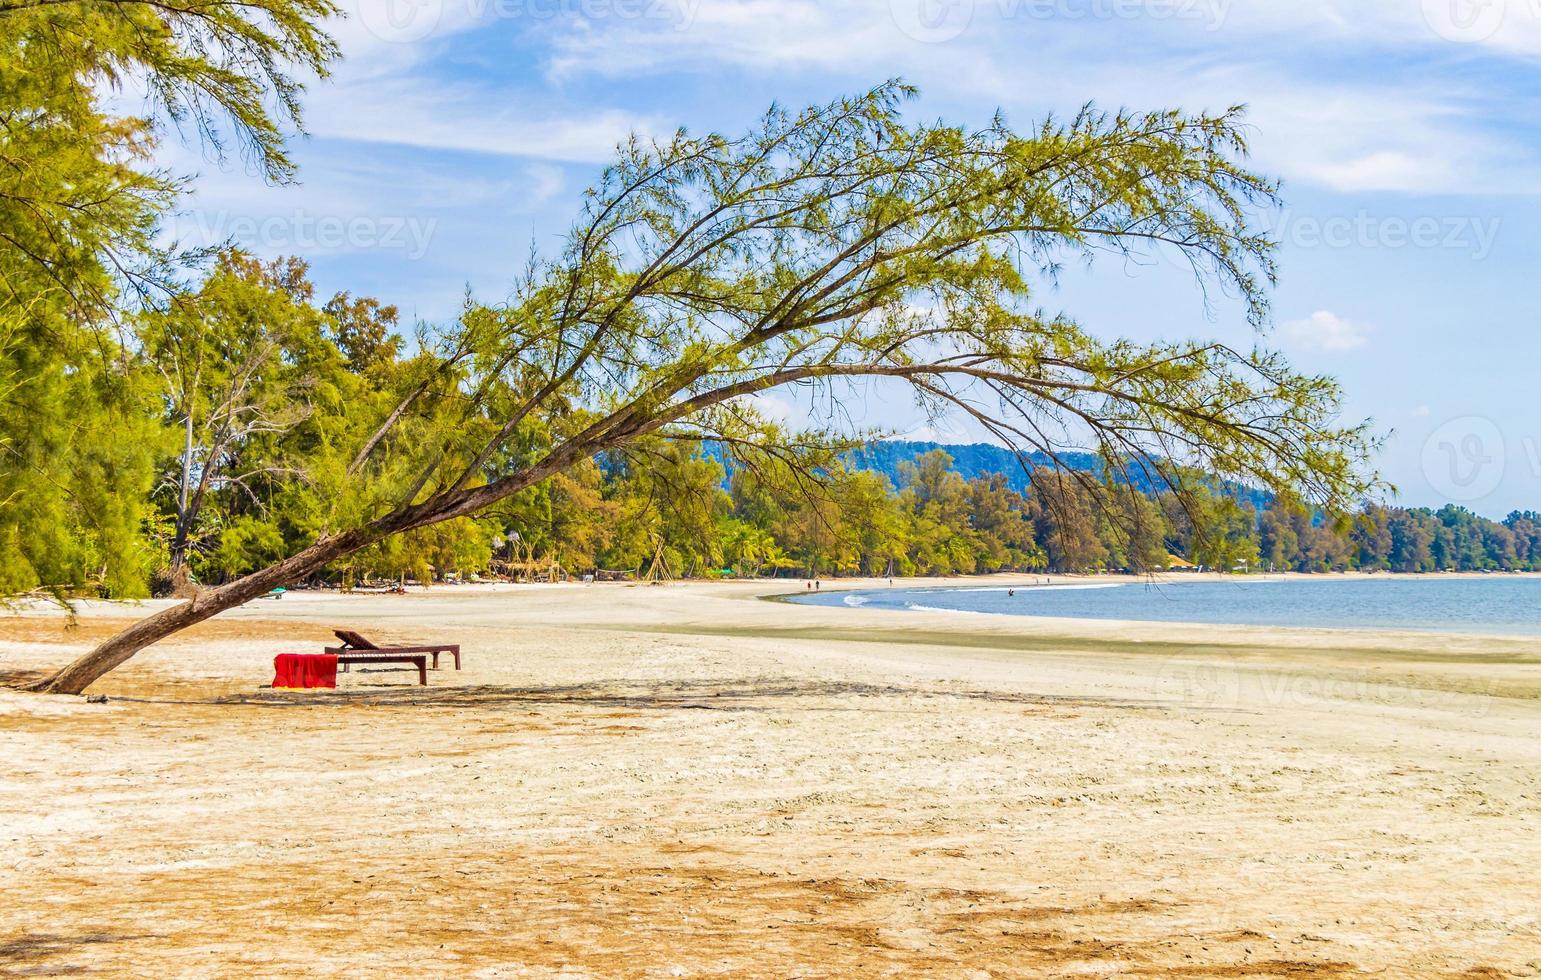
(1489, 604)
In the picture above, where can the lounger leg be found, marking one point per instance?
(436, 660)
(456, 651)
(422, 671)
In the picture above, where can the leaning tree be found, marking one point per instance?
(835, 247)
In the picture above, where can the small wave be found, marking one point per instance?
(855, 600)
(916, 607)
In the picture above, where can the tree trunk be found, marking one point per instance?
(110, 654)
(86, 670)
(179, 539)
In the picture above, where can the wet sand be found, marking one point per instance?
(686, 780)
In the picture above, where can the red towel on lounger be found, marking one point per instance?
(305, 670)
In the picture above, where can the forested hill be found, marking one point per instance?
(972, 461)
(981, 459)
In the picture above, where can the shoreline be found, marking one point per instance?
(922, 587)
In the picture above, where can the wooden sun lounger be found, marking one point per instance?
(356, 648)
(346, 657)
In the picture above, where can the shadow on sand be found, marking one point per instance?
(756, 694)
(26, 955)
(20, 678)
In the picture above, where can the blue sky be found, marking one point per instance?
(459, 134)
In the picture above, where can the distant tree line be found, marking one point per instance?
(682, 516)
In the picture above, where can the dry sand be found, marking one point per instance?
(684, 780)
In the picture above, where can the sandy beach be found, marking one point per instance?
(686, 780)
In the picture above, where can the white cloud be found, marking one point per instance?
(948, 431)
(773, 407)
(411, 113)
(1382, 170)
(1421, 412)
(388, 87)
(1325, 331)
(763, 34)
(1507, 26)
(1424, 140)
(389, 33)
(404, 78)
(1308, 125)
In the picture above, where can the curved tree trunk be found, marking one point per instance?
(86, 670)
(111, 653)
